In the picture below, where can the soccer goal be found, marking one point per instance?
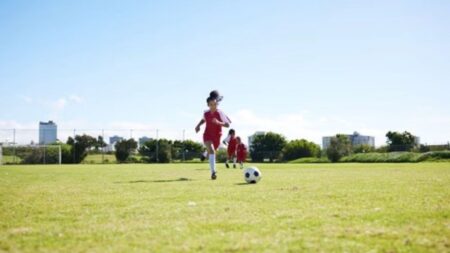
(30, 154)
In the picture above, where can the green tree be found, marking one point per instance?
(382, 149)
(100, 143)
(80, 146)
(66, 153)
(424, 148)
(186, 150)
(221, 155)
(300, 148)
(157, 151)
(267, 146)
(400, 141)
(339, 147)
(124, 148)
(364, 148)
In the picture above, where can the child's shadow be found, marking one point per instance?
(181, 179)
(243, 184)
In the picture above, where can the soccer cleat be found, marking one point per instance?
(213, 176)
(226, 165)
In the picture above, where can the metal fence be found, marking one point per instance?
(25, 145)
(34, 136)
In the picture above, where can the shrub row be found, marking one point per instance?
(393, 157)
(397, 157)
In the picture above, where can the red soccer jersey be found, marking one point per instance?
(213, 131)
(241, 152)
(232, 143)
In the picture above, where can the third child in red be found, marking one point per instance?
(241, 152)
(231, 149)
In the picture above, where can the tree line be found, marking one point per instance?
(268, 147)
(340, 145)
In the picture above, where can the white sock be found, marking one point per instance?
(212, 163)
(234, 161)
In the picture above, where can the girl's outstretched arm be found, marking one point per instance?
(197, 128)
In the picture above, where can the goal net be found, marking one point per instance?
(30, 154)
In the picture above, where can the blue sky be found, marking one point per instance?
(301, 68)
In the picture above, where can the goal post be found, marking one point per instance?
(59, 155)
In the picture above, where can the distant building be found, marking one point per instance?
(47, 132)
(143, 140)
(417, 140)
(252, 137)
(356, 139)
(114, 139)
(112, 142)
(109, 148)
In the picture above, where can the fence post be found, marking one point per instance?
(157, 146)
(103, 146)
(14, 145)
(60, 155)
(73, 147)
(45, 147)
(184, 147)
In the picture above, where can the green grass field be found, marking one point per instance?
(98, 158)
(11, 159)
(177, 208)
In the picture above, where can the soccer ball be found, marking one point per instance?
(252, 175)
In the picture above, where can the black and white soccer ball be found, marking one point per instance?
(252, 175)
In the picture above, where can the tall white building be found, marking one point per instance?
(47, 132)
(355, 139)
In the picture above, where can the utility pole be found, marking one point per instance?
(184, 145)
(60, 155)
(45, 146)
(1, 154)
(103, 146)
(73, 148)
(157, 145)
(14, 145)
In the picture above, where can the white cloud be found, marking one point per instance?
(292, 126)
(59, 104)
(139, 129)
(12, 124)
(75, 98)
(303, 125)
(432, 128)
(56, 107)
(21, 133)
(131, 125)
(27, 99)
